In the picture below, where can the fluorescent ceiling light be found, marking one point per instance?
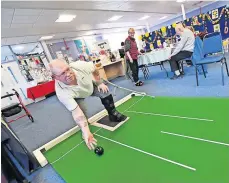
(114, 18)
(145, 17)
(65, 18)
(180, 1)
(90, 32)
(46, 37)
(164, 17)
(18, 47)
(119, 30)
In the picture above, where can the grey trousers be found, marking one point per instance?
(81, 101)
(128, 72)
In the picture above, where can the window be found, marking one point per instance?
(6, 55)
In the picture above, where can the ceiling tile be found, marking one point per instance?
(24, 19)
(5, 25)
(65, 35)
(84, 26)
(6, 19)
(125, 6)
(21, 25)
(108, 5)
(88, 17)
(28, 11)
(5, 11)
(3, 41)
(151, 6)
(46, 20)
(32, 39)
(15, 40)
(69, 12)
(52, 12)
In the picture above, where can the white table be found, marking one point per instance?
(155, 57)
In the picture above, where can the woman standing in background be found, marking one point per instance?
(132, 53)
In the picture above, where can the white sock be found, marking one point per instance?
(177, 72)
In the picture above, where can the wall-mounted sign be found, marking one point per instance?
(102, 45)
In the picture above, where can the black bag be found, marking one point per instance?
(11, 110)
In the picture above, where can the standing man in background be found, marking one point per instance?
(132, 53)
(122, 50)
(183, 50)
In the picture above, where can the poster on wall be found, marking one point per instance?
(33, 69)
(102, 45)
(215, 14)
(159, 43)
(25, 68)
(81, 45)
(217, 28)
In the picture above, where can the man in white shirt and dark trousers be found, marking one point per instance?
(74, 83)
(183, 50)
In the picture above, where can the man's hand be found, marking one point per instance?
(131, 60)
(81, 121)
(102, 87)
(169, 57)
(89, 140)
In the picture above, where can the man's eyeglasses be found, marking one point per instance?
(64, 73)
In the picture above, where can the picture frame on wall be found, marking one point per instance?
(217, 28)
(215, 14)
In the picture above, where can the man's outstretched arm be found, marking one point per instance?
(82, 122)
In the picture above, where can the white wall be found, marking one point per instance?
(9, 83)
(6, 54)
(115, 39)
(90, 40)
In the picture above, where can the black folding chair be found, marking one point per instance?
(145, 71)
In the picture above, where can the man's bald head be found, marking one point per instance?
(56, 65)
(179, 29)
(61, 71)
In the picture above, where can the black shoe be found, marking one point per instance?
(117, 117)
(139, 83)
(175, 77)
(114, 115)
(182, 73)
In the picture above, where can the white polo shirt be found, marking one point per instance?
(83, 89)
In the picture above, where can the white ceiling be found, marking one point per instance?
(24, 22)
